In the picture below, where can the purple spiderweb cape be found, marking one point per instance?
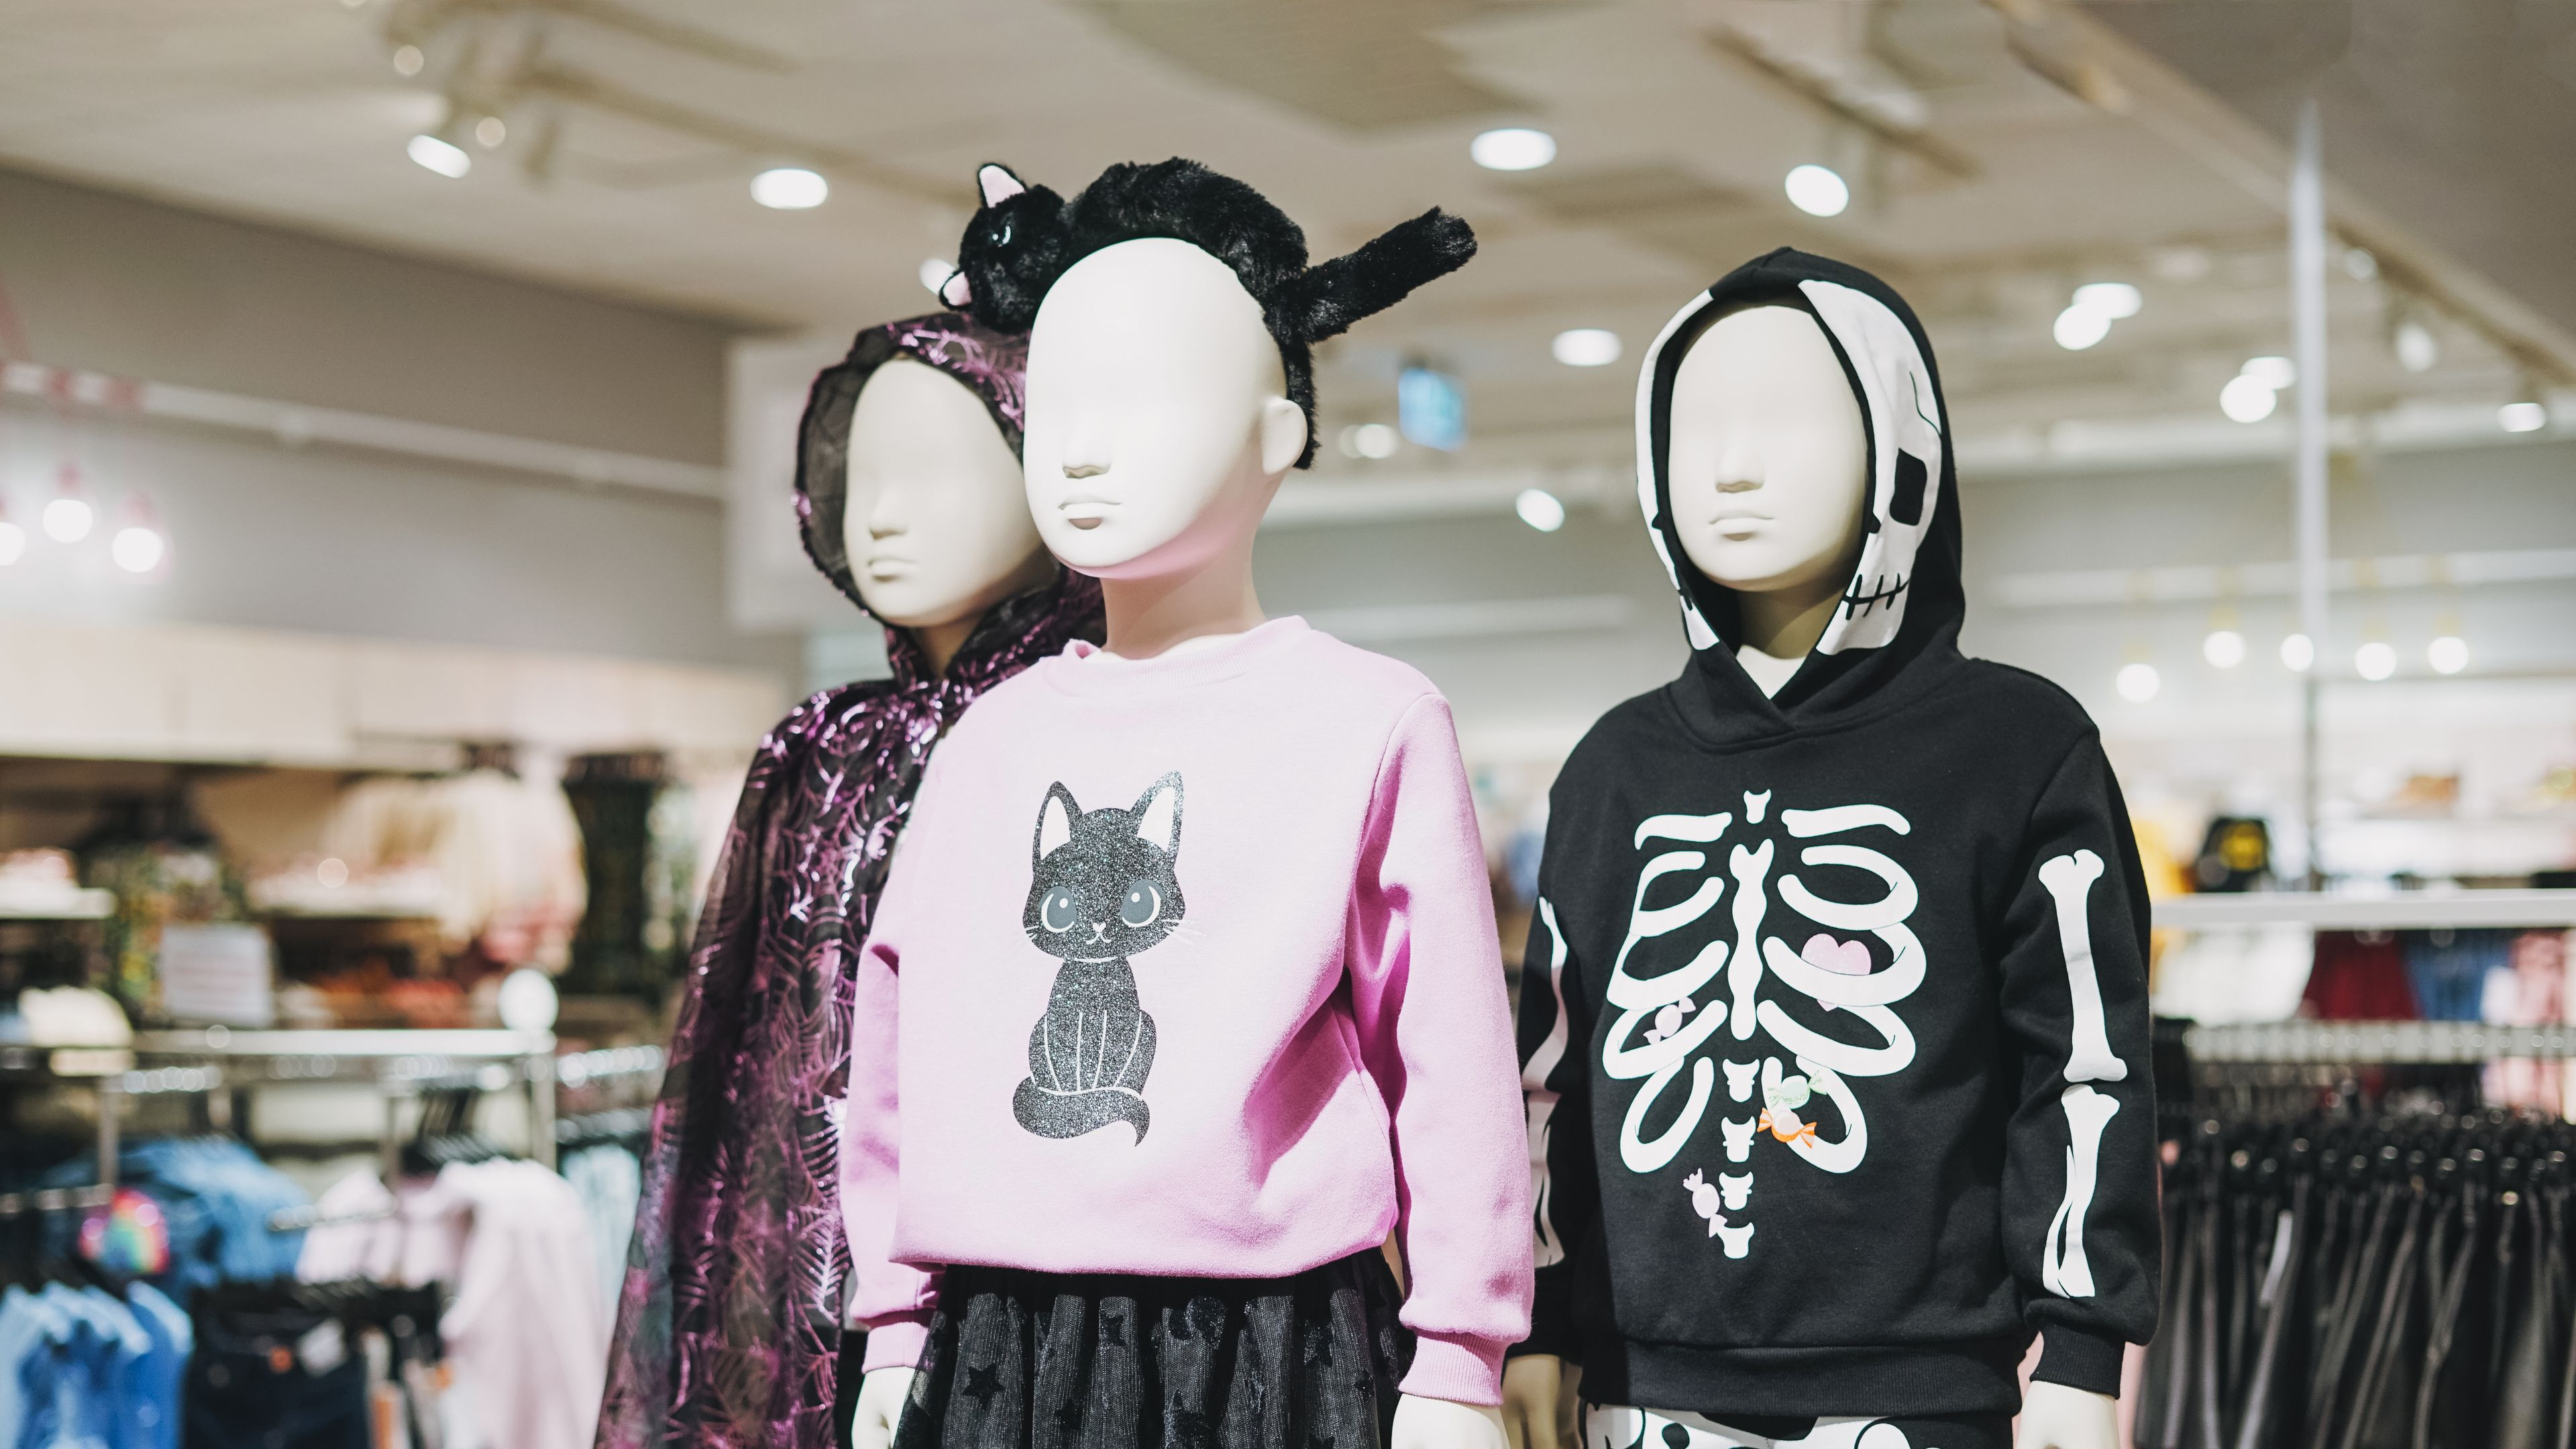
(729, 1321)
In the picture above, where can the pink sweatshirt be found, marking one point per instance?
(1186, 966)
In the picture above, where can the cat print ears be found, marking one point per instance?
(1055, 821)
(997, 183)
(1158, 814)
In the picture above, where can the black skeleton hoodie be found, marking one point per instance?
(1834, 1019)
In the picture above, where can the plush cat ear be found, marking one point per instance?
(1055, 821)
(997, 183)
(1324, 300)
(1158, 814)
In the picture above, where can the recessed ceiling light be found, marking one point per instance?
(445, 157)
(138, 548)
(2224, 648)
(2247, 400)
(490, 131)
(1817, 190)
(2375, 660)
(1512, 148)
(1376, 440)
(2417, 348)
(2522, 417)
(1540, 509)
(1586, 347)
(2275, 373)
(2138, 682)
(2079, 327)
(2448, 654)
(68, 519)
(790, 188)
(2114, 300)
(2359, 264)
(2298, 653)
(408, 60)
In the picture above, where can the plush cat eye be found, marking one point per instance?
(1144, 905)
(1056, 912)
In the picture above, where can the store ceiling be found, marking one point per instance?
(1986, 191)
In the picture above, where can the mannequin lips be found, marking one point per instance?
(1086, 510)
(885, 568)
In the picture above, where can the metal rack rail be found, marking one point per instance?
(2402, 911)
(2394, 1043)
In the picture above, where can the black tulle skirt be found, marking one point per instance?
(1021, 1360)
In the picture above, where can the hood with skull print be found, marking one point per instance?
(1897, 627)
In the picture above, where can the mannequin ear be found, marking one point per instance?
(997, 183)
(1283, 435)
(955, 292)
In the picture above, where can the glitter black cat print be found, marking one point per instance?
(1103, 887)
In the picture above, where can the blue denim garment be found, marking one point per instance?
(216, 1198)
(33, 1335)
(109, 1346)
(154, 1408)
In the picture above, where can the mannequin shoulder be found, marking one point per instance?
(1365, 678)
(2034, 711)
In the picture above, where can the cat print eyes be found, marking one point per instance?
(1057, 911)
(1143, 905)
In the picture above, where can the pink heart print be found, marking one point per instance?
(1843, 958)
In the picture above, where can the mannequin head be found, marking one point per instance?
(934, 525)
(1158, 420)
(1769, 460)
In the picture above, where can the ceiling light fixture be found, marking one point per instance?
(490, 132)
(2375, 660)
(2138, 682)
(2522, 417)
(2079, 327)
(1375, 440)
(1540, 509)
(408, 60)
(2247, 400)
(1817, 190)
(2416, 347)
(790, 188)
(1585, 347)
(139, 546)
(2448, 654)
(434, 153)
(2275, 373)
(2224, 648)
(2298, 653)
(2115, 300)
(68, 517)
(1512, 148)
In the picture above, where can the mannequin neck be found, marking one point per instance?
(940, 642)
(1154, 613)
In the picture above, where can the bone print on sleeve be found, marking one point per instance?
(1556, 1093)
(2080, 1222)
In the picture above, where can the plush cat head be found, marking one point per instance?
(1013, 249)
(1102, 885)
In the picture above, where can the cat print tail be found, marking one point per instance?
(1071, 1114)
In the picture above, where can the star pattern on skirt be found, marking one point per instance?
(981, 1385)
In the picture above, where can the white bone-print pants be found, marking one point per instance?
(1617, 1426)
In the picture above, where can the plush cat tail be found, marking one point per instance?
(1071, 1114)
(1324, 300)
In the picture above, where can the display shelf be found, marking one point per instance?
(55, 1199)
(89, 903)
(2390, 1042)
(2407, 911)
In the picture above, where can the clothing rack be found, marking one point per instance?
(2391, 1043)
(2400, 911)
(55, 1199)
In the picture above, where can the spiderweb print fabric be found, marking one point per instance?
(728, 1321)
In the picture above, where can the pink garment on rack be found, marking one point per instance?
(524, 1326)
(2530, 991)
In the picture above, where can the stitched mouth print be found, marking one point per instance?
(1102, 889)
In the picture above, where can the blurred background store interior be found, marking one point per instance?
(397, 567)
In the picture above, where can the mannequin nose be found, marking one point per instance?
(1088, 449)
(885, 514)
(1738, 470)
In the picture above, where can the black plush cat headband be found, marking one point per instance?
(1025, 237)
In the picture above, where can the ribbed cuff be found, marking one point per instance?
(2080, 1360)
(1455, 1366)
(897, 1342)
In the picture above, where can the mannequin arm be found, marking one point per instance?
(1422, 1423)
(881, 1396)
(1540, 1398)
(2054, 1416)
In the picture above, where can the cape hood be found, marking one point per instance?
(1897, 628)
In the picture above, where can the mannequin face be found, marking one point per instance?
(936, 525)
(1769, 462)
(1158, 421)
